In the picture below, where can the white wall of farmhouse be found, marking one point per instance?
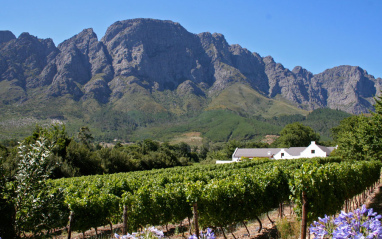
(283, 154)
(313, 150)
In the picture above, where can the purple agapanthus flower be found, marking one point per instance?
(362, 223)
(158, 233)
(193, 236)
(207, 235)
(148, 233)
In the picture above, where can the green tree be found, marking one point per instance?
(59, 140)
(148, 145)
(85, 136)
(36, 206)
(373, 142)
(6, 208)
(360, 137)
(56, 136)
(296, 135)
(347, 124)
(203, 151)
(114, 160)
(82, 159)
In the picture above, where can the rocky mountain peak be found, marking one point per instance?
(304, 73)
(268, 60)
(298, 70)
(6, 36)
(144, 28)
(81, 41)
(350, 85)
(161, 52)
(26, 56)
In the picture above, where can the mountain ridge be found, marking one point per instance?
(164, 55)
(156, 66)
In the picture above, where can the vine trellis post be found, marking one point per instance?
(196, 224)
(304, 215)
(124, 229)
(71, 217)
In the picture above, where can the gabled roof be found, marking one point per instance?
(295, 151)
(327, 150)
(255, 152)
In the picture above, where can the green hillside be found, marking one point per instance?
(215, 125)
(246, 101)
(238, 112)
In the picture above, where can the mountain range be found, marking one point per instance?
(144, 72)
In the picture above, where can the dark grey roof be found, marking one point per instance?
(295, 151)
(327, 150)
(255, 152)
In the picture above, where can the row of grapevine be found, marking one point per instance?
(225, 194)
(323, 190)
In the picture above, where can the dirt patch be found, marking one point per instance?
(192, 134)
(375, 200)
(269, 139)
(190, 138)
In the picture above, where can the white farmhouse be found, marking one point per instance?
(289, 153)
(313, 150)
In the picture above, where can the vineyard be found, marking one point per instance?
(221, 195)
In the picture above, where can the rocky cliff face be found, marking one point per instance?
(161, 55)
(348, 88)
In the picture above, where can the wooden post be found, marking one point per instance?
(260, 224)
(111, 226)
(365, 195)
(272, 222)
(196, 224)
(124, 228)
(249, 234)
(189, 226)
(71, 216)
(346, 205)
(304, 215)
(181, 226)
(282, 210)
(291, 209)
(225, 237)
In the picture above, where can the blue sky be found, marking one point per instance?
(316, 35)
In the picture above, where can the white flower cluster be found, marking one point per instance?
(147, 233)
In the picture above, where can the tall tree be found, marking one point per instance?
(85, 136)
(6, 208)
(296, 135)
(360, 137)
(36, 207)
